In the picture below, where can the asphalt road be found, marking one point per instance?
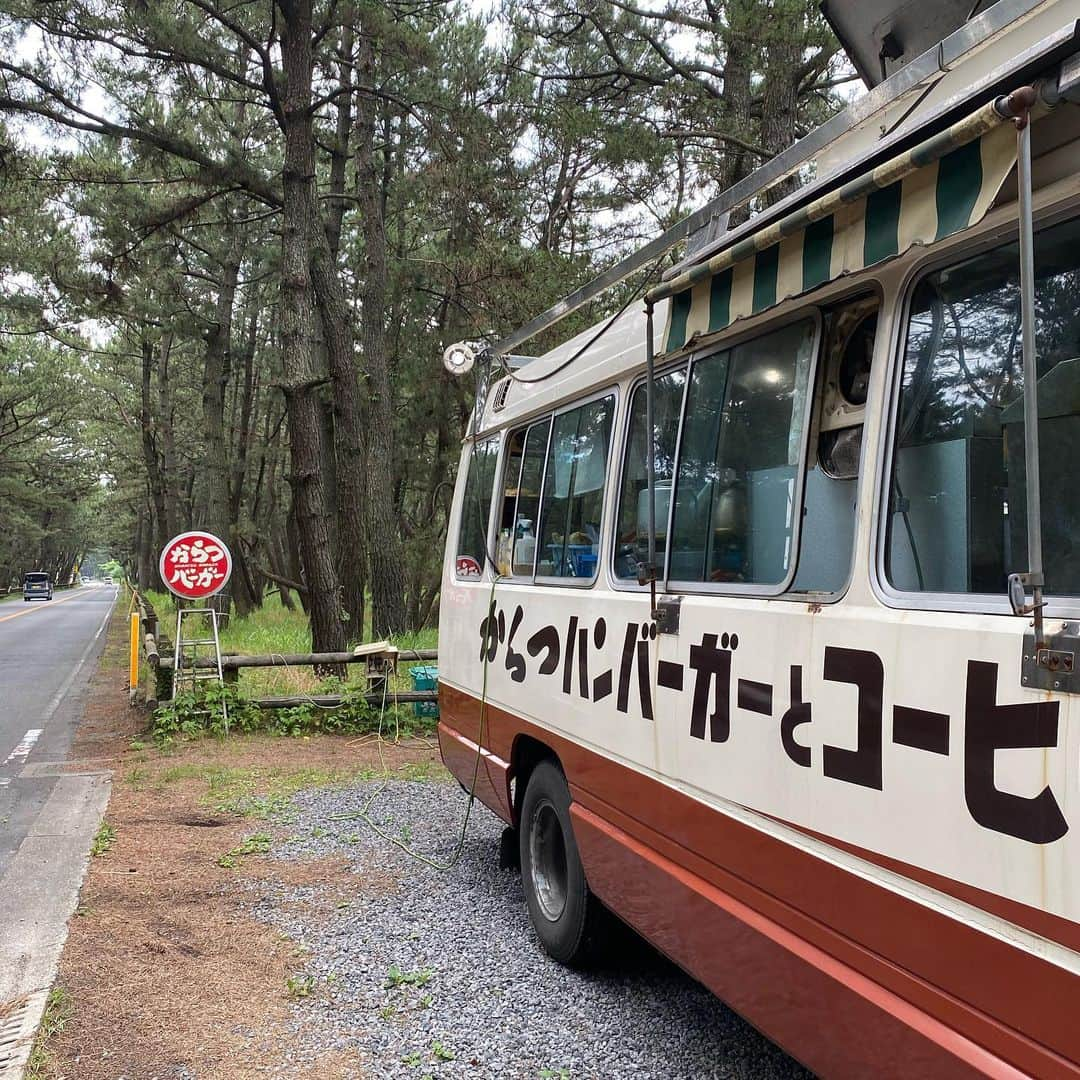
(48, 652)
(47, 649)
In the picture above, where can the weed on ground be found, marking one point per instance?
(59, 1010)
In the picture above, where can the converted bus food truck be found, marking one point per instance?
(758, 621)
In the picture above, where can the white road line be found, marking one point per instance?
(26, 744)
(60, 694)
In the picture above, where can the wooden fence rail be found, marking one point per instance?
(405, 697)
(231, 663)
(235, 661)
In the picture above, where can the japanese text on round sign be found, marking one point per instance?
(195, 565)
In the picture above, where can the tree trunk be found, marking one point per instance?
(738, 85)
(784, 47)
(336, 318)
(246, 589)
(153, 471)
(349, 456)
(213, 515)
(385, 553)
(146, 574)
(169, 524)
(299, 378)
(295, 567)
(244, 433)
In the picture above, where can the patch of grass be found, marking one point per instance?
(422, 771)
(260, 793)
(256, 844)
(274, 629)
(59, 1009)
(136, 776)
(298, 987)
(441, 1052)
(197, 713)
(395, 977)
(104, 839)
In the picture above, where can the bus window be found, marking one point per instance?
(632, 529)
(476, 509)
(742, 449)
(827, 537)
(956, 512)
(522, 476)
(574, 491)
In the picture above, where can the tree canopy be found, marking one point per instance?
(237, 238)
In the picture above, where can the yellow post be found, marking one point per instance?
(133, 664)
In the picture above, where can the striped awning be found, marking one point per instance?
(937, 188)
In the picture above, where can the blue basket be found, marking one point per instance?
(573, 560)
(425, 677)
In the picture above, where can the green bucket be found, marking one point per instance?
(425, 677)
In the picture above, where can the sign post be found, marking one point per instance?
(195, 566)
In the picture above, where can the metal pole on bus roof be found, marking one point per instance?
(1031, 381)
(1017, 107)
(651, 455)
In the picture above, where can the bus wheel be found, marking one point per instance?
(564, 913)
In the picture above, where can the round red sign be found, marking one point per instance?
(195, 565)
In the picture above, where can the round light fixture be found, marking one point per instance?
(459, 358)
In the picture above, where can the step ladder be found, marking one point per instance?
(205, 644)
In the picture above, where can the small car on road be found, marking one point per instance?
(37, 586)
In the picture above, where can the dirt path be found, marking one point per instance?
(164, 973)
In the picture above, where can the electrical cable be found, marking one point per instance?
(910, 533)
(364, 814)
(911, 405)
(635, 295)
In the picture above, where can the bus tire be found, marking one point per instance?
(566, 915)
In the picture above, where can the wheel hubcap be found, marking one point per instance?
(547, 861)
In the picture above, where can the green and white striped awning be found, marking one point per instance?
(937, 188)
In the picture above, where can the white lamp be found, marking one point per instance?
(459, 358)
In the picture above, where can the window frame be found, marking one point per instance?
(861, 288)
(605, 514)
(486, 568)
(811, 313)
(1057, 606)
(630, 584)
(524, 426)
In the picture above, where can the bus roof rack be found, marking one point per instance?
(936, 59)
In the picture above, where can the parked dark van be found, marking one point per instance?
(37, 586)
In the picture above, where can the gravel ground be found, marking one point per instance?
(433, 973)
